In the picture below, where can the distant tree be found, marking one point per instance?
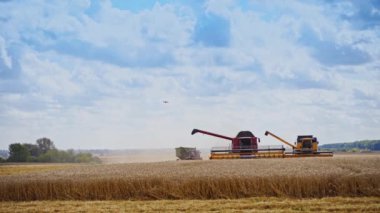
(84, 158)
(376, 146)
(355, 150)
(45, 151)
(2, 160)
(45, 144)
(368, 145)
(18, 153)
(60, 156)
(49, 156)
(33, 149)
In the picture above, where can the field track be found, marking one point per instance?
(349, 176)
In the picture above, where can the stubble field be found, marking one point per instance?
(355, 178)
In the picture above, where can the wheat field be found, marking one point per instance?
(348, 176)
(14, 168)
(258, 204)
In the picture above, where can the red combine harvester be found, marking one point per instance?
(244, 145)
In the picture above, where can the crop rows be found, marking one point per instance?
(302, 178)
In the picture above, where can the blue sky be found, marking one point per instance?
(94, 74)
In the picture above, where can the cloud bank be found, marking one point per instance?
(94, 74)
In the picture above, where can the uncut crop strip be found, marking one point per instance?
(354, 176)
(198, 188)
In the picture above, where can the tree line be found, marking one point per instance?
(363, 145)
(44, 150)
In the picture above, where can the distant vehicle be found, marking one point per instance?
(188, 153)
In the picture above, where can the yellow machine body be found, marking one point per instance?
(305, 146)
(301, 144)
(315, 147)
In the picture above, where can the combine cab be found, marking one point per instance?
(244, 145)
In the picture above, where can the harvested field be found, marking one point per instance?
(260, 204)
(353, 176)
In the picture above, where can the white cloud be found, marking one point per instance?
(4, 54)
(47, 77)
(265, 79)
(163, 23)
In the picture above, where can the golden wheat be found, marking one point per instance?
(260, 204)
(301, 178)
(14, 168)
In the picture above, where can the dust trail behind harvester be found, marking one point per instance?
(142, 155)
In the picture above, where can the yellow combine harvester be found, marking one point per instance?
(306, 146)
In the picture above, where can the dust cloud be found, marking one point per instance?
(142, 156)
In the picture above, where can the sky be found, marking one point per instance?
(95, 74)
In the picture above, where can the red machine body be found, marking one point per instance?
(244, 140)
